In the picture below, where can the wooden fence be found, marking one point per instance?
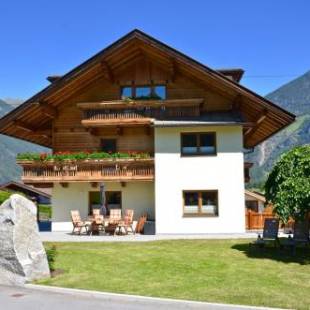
(255, 220)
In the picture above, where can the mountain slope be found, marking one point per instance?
(9, 147)
(294, 97)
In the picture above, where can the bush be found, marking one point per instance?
(51, 254)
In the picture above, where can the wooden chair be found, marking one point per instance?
(114, 219)
(126, 223)
(96, 212)
(77, 223)
(140, 224)
(270, 234)
(115, 216)
(300, 236)
(97, 222)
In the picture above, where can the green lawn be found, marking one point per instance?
(206, 270)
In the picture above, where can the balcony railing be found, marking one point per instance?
(138, 112)
(88, 171)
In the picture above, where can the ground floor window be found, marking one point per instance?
(200, 203)
(252, 205)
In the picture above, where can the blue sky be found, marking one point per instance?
(269, 39)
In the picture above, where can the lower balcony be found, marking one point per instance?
(122, 170)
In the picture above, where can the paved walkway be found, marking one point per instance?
(68, 237)
(34, 297)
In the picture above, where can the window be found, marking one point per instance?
(198, 144)
(160, 91)
(144, 92)
(252, 205)
(108, 145)
(200, 203)
(126, 92)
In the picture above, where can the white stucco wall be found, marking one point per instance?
(138, 196)
(223, 172)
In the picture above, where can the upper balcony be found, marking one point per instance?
(137, 112)
(42, 169)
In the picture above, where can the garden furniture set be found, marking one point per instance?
(114, 224)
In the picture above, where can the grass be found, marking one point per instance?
(205, 270)
(45, 211)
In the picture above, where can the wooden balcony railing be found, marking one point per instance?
(138, 112)
(88, 170)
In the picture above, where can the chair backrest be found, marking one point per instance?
(98, 219)
(271, 228)
(75, 216)
(128, 217)
(96, 212)
(115, 214)
(301, 231)
(140, 224)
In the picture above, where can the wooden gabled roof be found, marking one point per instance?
(18, 186)
(255, 195)
(32, 121)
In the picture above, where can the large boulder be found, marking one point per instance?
(22, 255)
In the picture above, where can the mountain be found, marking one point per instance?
(4, 108)
(9, 147)
(294, 97)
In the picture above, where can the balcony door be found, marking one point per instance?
(113, 200)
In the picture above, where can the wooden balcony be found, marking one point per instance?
(122, 170)
(139, 112)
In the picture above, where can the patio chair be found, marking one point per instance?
(97, 222)
(140, 224)
(115, 216)
(270, 234)
(77, 223)
(300, 237)
(126, 223)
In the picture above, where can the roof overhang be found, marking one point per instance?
(12, 184)
(255, 195)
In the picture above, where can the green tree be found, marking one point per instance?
(288, 184)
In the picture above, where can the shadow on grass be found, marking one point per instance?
(301, 257)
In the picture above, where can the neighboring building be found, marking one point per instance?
(254, 201)
(192, 124)
(31, 192)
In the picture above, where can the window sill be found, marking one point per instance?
(198, 155)
(199, 215)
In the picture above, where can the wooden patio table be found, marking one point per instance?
(107, 224)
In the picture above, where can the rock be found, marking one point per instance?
(22, 255)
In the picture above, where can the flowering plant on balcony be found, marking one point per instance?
(85, 155)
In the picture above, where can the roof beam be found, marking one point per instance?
(47, 133)
(251, 131)
(21, 125)
(46, 109)
(49, 111)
